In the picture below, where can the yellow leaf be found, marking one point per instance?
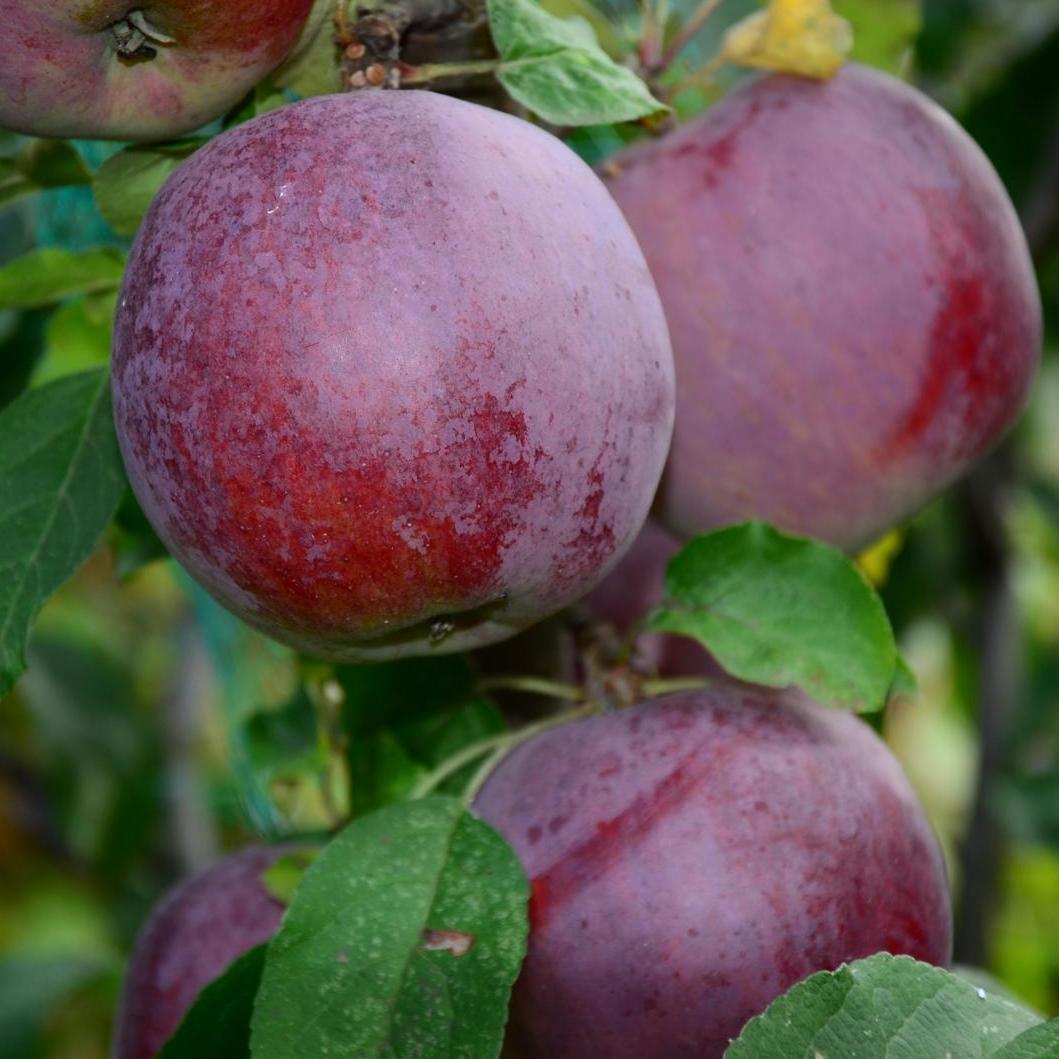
(875, 562)
(803, 37)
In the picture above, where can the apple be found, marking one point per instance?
(693, 857)
(196, 931)
(390, 374)
(634, 588)
(854, 313)
(115, 70)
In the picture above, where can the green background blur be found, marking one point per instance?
(153, 731)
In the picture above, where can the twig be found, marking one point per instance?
(516, 739)
(418, 75)
(686, 34)
(1000, 678)
(1040, 215)
(31, 811)
(191, 830)
(702, 78)
(449, 767)
(654, 688)
(650, 49)
(534, 686)
(997, 639)
(497, 747)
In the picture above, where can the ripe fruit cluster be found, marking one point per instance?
(392, 376)
(413, 387)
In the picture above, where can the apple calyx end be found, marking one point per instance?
(135, 38)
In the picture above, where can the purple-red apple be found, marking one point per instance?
(694, 857)
(118, 70)
(854, 313)
(634, 588)
(197, 930)
(391, 375)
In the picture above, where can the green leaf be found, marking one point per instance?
(127, 183)
(30, 988)
(884, 1007)
(77, 337)
(578, 87)
(264, 97)
(608, 36)
(281, 878)
(522, 29)
(312, 67)
(556, 68)
(255, 674)
(884, 31)
(404, 718)
(218, 1023)
(61, 479)
(984, 980)
(135, 542)
(100, 753)
(781, 611)
(42, 164)
(1029, 805)
(1041, 1042)
(404, 938)
(49, 275)
(904, 684)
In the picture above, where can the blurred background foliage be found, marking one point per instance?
(153, 730)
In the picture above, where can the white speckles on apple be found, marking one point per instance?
(359, 409)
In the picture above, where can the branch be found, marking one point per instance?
(687, 33)
(997, 639)
(191, 830)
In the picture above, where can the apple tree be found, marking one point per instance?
(529, 529)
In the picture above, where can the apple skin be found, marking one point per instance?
(195, 932)
(391, 376)
(64, 75)
(693, 857)
(854, 313)
(634, 588)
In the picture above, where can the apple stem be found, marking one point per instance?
(416, 75)
(685, 35)
(655, 688)
(151, 32)
(484, 772)
(135, 37)
(654, 21)
(534, 686)
(497, 747)
(702, 78)
(516, 739)
(451, 765)
(335, 782)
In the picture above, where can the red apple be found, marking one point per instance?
(391, 375)
(854, 313)
(693, 857)
(117, 70)
(634, 588)
(200, 927)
